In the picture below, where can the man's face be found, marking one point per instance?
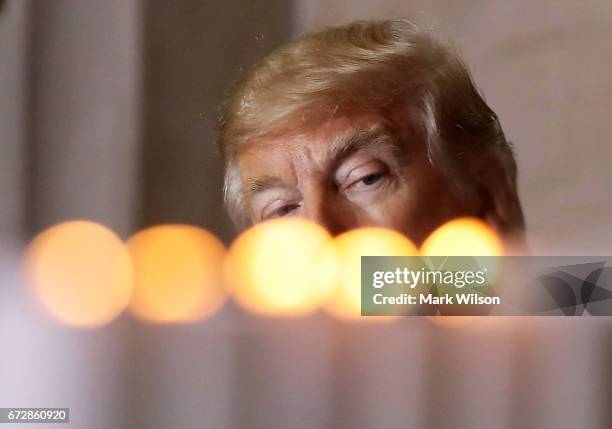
(350, 172)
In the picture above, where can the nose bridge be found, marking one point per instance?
(322, 206)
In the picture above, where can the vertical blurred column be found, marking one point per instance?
(84, 119)
(379, 373)
(81, 88)
(189, 375)
(561, 375)
(468, 381)
(13, 83)
(14, 26)
(284, 374)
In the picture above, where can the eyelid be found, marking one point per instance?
(272, 207)
(355, 175)
(263, 202)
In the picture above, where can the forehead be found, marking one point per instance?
(271, 156)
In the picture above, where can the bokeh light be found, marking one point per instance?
(81, 273)
(178, 275)
(270, 267)
(463, 237)
(341, 265)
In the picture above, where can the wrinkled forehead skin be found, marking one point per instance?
(418, 200)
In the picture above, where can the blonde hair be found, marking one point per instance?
(365, 67)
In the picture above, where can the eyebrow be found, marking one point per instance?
(342, 147)
(255, 185)
(361, 139)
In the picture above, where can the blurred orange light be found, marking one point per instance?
(81, 273)
(178, 274)
(270, 267)
(342, 263)
(463, 237)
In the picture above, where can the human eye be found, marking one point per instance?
(277, 210)
(366, 177)
(370, 179)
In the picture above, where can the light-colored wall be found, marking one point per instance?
(546, 68)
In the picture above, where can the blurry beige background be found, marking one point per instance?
(107, 112)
